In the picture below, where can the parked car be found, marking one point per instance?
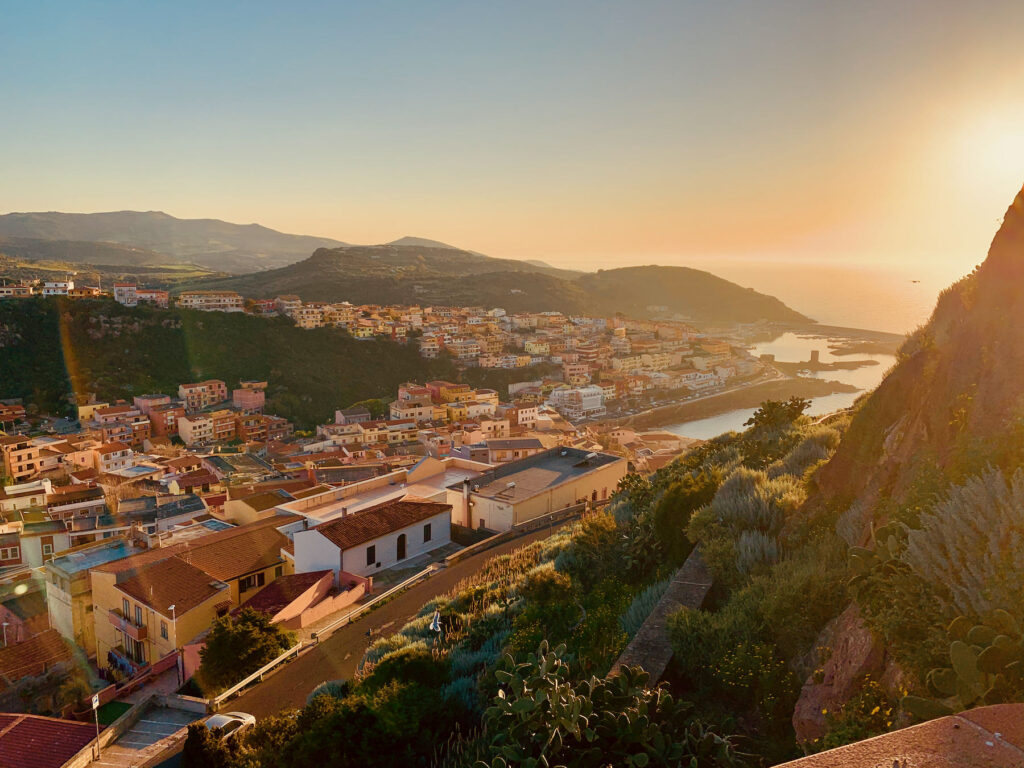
(230, 723)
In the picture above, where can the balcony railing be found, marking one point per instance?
(130, 628)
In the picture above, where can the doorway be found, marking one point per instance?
(401, 547)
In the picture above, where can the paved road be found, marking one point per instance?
(337, 657)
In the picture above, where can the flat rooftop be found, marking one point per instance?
(351, 498)
(539, 473)
(75, 562)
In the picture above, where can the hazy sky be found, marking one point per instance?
(585, 133)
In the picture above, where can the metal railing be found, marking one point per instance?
(320, 634)
(215, 702)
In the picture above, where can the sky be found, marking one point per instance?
(588, 134)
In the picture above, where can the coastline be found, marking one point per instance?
(715, 405)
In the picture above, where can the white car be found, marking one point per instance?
(230, 723)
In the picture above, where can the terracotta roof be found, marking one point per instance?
(262, 501)
(227, 555)
(380, 520)
(33, 656)
(111, 448)
(171, 581)
(32, 741)
(985, 737)
(279, 593)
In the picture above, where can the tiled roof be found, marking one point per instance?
(985, 737)
(282, 591)
(262, 501)
(33, 656)
(111, 448)
(31, 741)
(380, 520)
(168, 582)
(229, 554)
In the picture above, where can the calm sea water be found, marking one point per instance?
(796, 348)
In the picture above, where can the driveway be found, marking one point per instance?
(337, 657)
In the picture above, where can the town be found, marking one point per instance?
(226, 506)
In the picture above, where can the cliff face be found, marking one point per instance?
(953, 404)
(956, 398)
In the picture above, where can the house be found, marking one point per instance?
(352, 415)
(161, 298)
(24, 496)
(34, 741)
(202, 578)
(374, 538)
(75, 501)
(300, 599)
(110, 457)
(511, 449)
(523, 490)
(126, 293)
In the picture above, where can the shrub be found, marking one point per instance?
(337, 689)
(412, 664)
(755, 549)
(641, 608)
(971, 545)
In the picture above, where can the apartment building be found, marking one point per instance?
(212, 301)
(161, 299)
(110, 457)
(202, 394)
(578, 402)
(197, 428)
(21, 457)
(58, 287)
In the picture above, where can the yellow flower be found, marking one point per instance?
(875, 710)
(824, 711)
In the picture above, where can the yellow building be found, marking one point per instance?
(520, 491)
(202, 578)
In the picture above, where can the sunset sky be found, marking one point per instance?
(584, 133)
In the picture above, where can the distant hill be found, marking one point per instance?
(210, 243)
(422, 241)
(432, 275)
(81, 252)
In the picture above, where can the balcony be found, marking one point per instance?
(132, 630)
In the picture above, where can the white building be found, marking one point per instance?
(58, 287)
(375, 538)
(578, 402)
(126, 293)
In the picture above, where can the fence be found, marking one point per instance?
(258, 674)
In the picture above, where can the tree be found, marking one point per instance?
(239, 645)
(775, 414)
(206, 749)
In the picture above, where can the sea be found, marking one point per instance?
(871, 298)
(793, 347)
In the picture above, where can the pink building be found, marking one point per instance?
(248, 399)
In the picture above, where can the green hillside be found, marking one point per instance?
(428, 275)
(49, 347)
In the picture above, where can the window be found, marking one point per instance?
(10, 553)
(138, 615)
(47, 549)
(426, 533)
(279, 571)
(126, 608)
(251, 582)
(163, 629)
(371, 555)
